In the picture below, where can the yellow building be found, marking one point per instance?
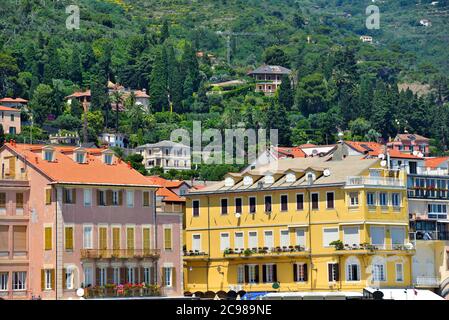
(311, 224)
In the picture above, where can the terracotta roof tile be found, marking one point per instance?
(435, 162)
(3, 108)
(16, 100)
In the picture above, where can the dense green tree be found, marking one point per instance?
(312, 94)
(285, 94)
(42, 103)
(276, 57)
(158, 81)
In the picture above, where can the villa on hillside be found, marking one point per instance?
(165, 154)
(269, 78)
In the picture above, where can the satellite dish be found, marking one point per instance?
(415, 153)
(238, 215)
(409, 246)
(381, 156)
(80, 292)
(326, 172)
(314, 151)
(383, 163)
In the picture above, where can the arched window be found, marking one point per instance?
(352, 267)
(379, 269)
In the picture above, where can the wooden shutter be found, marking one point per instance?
(167, 239)
(64, 281)
(73, 195)
(19, 238)
(19, 200)
(329, 271)
(246, 280)
(120, 197)
(275, 273)
(305, 272)
(109, 197)
(48, 238)
(110, 275)
(146, 199)
(69, 238)
(337, 272)
(130, 238)
(4, 238)
(264, 273)
(42, 279)
(47, 196)
(2, 200)
(116, 238)
(295, 272)
(257, 273)
(12, 167)
(103, 245)
(97, 276)
(146, 239)
(173, 277)
(52, 273)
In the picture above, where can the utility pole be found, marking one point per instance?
(228, 35)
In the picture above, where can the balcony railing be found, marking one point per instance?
(120, 254)
(374, 181)
(428, 282)
(430, 235)
(375, 247)
(170, 208)
(286, 250)
(119, 291)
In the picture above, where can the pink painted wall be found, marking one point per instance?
(5, 120)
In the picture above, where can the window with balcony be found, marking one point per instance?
(397, 236)
(383, 199)
(378, 236)
(300, 272)
(87, 237)
(224, 241)
(4, 240)
(88, 276)
(147, 275)
(103, 274)
(285, 238)
(300, 238)
(269, 273)
(3, 281)
(437, 211)
(371, 199)
(146, 239)
(131, 275)
(2, 203)
(396, 199)
(196, 243)
(351, 236)
(19, 200)
(253, 241)
(239, 242)
(330, 235)
(268, 239)
(19, 280)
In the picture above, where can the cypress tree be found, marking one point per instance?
(158, 81)
(285, 97)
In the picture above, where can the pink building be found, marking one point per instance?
(10, 120)
(410, 143)
(74, 218)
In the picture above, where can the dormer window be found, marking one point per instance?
(290, 178)
(48, 155)
(80, 157)
(108, 158)
(229, 182)
(247, 181)
(310, 177)
(269, 179)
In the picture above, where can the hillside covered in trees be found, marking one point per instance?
(340, 82)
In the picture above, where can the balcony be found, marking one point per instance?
(122, 291)
(169, 208)
(285, 251)
(367, 248)
(374, 182)
(427, 282)
(429, 235)
(120, 254)
(195, 255)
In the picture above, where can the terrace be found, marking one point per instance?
(120, 254)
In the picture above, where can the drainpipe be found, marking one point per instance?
(155, 235)
(310, 236)
(208, 243)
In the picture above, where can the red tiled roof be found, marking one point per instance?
(3, 108)
(141, 94)
(79, 94)
(164, 188)
(407, 136)
(16, 100)
(307, 145)
(435, 162)
(294, 152)
(65, 170)
(371, 148)
(398, 154)
(169, 195)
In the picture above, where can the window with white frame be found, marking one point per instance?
(253, 241)
(168, 273)
(300, 272)
(352, 269)
(396, 199)
(437, 211)
(19, 280)
(351, 236)
(116, 276)
(383, 199)
(131, 275)
(224, 241)
(378, 271)
(224, 206)
(103, 277)
(333, 272)
(115, 197)
(130, 198)
(330, 235)
(252, 273)
(285, 238)
(353, 199)
(87, 197)
(80, 156)
(239, 242)
(397, 235)
(3, 281)
(196, 242)
(87, 237)
(108, 158)
(268, 239)
(269, 273)
(48, 279)
(378, 236)
(300, 238)
(330, 199)
(69, 277)
(399, 272)
(88, 276)
(196, 208)
(147, 275)
(284, 202)
(371, 199)
(240, 274)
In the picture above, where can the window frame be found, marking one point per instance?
(196, 214)
(281, 203)
(302, 202)
(317, 202)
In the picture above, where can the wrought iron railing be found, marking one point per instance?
(119, 253)
(374, 181)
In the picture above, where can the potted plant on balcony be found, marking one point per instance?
(298, 248)
(338, 244)
(248, 252)
(228, 251)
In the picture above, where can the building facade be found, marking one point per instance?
(10, 120)
(113, 139)
(313, 224)
(166, 155)
(17, 103)
(78, 218)
(410, 143)
(269, 78)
